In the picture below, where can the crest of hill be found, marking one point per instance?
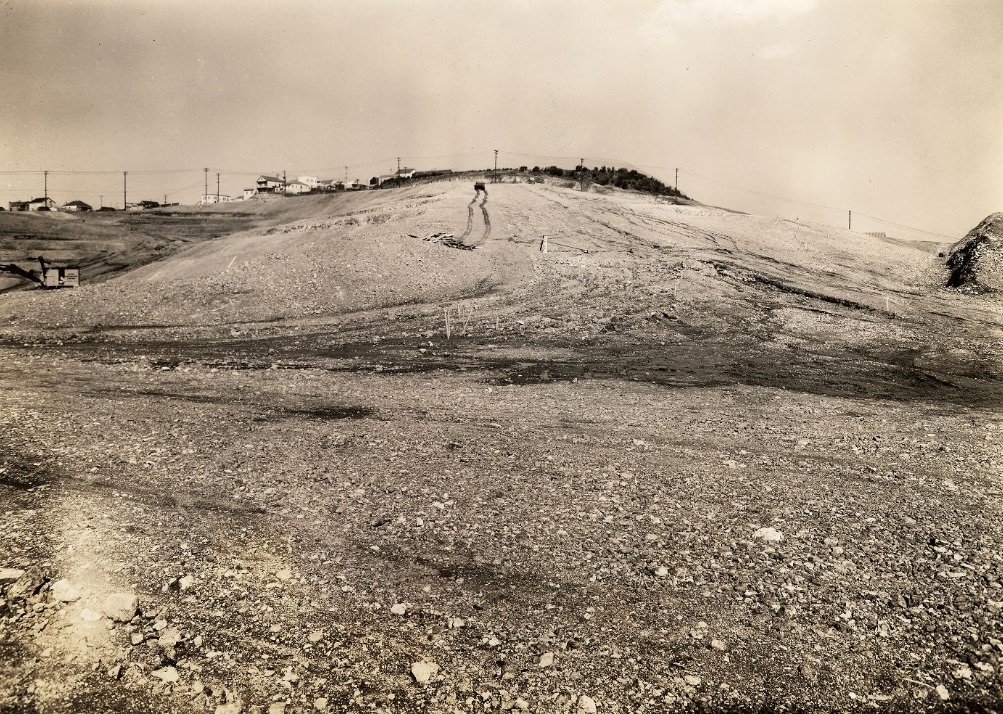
(976, 261)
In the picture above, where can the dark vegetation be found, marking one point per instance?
(629, 179)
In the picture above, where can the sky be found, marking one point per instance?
(799, 108)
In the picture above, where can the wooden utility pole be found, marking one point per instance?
(849, 221)
(677, 179)
(217, 187)
(46, 185)
(496, 165)
(125, 190)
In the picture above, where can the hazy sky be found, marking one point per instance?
(892, 108)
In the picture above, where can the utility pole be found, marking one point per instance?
(849, 221)
(125, 191)
(284, 184)
(217, 187)
(398, 164)
(677, 179)
(46, 185)
(496, 165)
(206, 191)
(346, 176)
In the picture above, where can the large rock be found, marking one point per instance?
(120, 607)
(9, 575)
(63, 591)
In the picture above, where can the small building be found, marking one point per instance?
(294, 187)
(76, 206)
(41, 204)
(404, 173)
(269, 184)
(352, 184)
(17, 205)
(210, 198)
(310, 181)
(250, 193)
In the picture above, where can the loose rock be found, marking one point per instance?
(120, 607)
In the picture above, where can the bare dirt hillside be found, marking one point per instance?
(687, 459)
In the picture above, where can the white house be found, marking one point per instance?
(294, 187)
(269, 184)
(404, 173)
(214, 198)
(310, 181)
(36, 204)
(250, 193)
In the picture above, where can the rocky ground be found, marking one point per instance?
(685, 460)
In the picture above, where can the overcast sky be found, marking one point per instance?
(891, 108)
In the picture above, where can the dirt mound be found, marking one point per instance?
(976, 261)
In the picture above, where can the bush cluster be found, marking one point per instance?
(630, 179)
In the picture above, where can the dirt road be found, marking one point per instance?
(688, 459)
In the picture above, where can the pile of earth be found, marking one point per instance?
(976, 261)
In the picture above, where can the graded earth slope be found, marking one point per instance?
(687, 459)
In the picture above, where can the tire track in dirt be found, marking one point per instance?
(470, 218)
(487, 217)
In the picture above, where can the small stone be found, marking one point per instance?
(315, 636)
(64, 592)
(547, 659)
(586, 705)
(661, 571)
(963, 672)
(198, 687)
(398, 609)
(234, 707)
(770, 535)
(320, 704)
(692, 680)
(120, 607)
(718, 645)
(284, 574)
(137, 638)
(197, 640)
(456, 623)
(942, 692)
(277, 708)
(186, 582)
(169, 637)
(9, 575)
(423, 671)
(159, 625)
(168, 674)
(115, 671)
(88, 615)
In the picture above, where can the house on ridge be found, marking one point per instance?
(269, 184)
(294, 187)
(76, 206)
(41, 204)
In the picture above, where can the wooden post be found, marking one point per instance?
(447, 324)
(543, 244)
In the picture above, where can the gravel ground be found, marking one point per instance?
(688, 460)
